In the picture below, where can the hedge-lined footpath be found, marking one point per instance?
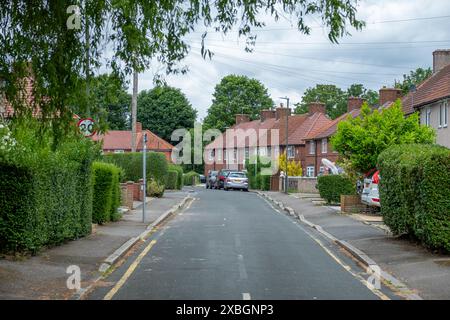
(331, 187)
(106, 192)
(131, 163)
(415, 192)
(45, 193)
(191, 178)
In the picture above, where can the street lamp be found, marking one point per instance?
(287, 145)
(144, 173)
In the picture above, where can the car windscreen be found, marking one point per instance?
(237, 175)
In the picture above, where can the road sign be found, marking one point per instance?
(86, 127)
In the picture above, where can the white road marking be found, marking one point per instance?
(242, 271)
(246, 296)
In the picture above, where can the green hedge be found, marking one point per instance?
(331, 187)
(45, 193)
(191, 178)
(264, 182)
(155, 189)
(255, 179)
(415, 192)
(131, 163)
(106, 192)
(172, 180)
(179, 170)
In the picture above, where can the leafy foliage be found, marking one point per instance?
(191, 178)
(155, 189)
(334, 98)
(172, 180)
(131, 163)
(164, 109)
(360, 140)
(414, 192)
(331, 187)
(233, 95)
(179, 171)
(45, 194)
(138, 32)
(254, 166)
(294, 168)
(106, 192)
(415, 78)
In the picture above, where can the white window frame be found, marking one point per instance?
(119, 151)
(235, 154)
(428, 116)
(443, 114)
(291, 152)
(325, 145)
(446, 114)
(247, 152)
(219, 154)
(262, 151)
(312, 147)
(211, 155)
(310, 171)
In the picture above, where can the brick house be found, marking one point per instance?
(270, 130)
(119, 141)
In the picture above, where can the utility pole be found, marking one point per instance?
(87, 44)
(286, 181)
(144, 174)
(134, 111)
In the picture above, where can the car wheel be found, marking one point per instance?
(246, 190)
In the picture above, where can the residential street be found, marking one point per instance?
(234, 245)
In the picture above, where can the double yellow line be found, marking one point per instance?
(129, 271)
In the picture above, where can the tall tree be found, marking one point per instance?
(236, 94)
(360, 140)
(50, 36)
(414, 77)
(358, 90)
(332, 96)
(164, 109)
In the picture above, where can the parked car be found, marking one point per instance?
(370, 194)
(236, 180)
(222, 175)
(211, 179)
(202, 179)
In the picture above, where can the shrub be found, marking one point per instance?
(264, 183)
(191, 178)
(331, 187)
(131, 163)
(172, 180)
(254, 166)
(414, 192)
(106, 192)
(179, 170)
(155, 189)
(45, 192)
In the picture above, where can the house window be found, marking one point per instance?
(211, 155)
(225, 155)
(219, 154)
(310, 171)
(247, 153)
(235, 152)
(291, 152)
(428, 117)
(119, 151)
(321, 170)
(312, 147)
(324, 145)
(443, 114)
(262, 151)
(269, 151)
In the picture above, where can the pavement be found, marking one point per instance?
(236, 245)
(424, 272)
(44, 276)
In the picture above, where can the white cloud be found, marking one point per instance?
(288, 62)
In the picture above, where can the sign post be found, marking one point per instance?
(144, 169)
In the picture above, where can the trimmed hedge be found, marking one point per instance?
(255, 179)
(191, 178)
(45, 194)
(106, 192)
(155, 189)
(415, 192)
(131, 163)
(172, 180)
(179, 170)
(264, 183)
(331, 187)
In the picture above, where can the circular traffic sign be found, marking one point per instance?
(86, 127)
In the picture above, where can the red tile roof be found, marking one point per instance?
(26, 95)
(299, 126)
(121, 140)
(433, 89)
(329, 129)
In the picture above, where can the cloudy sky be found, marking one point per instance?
(400, 36)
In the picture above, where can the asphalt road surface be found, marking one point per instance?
(234, 245)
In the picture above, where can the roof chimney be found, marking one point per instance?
(241, 118)
(389, 95)
(317, 107)
(282, 112)
(267, 114)
(138, 127)
(441, 58)
(354, 103)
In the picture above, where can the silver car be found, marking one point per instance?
(370, 194)
(236, 180)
